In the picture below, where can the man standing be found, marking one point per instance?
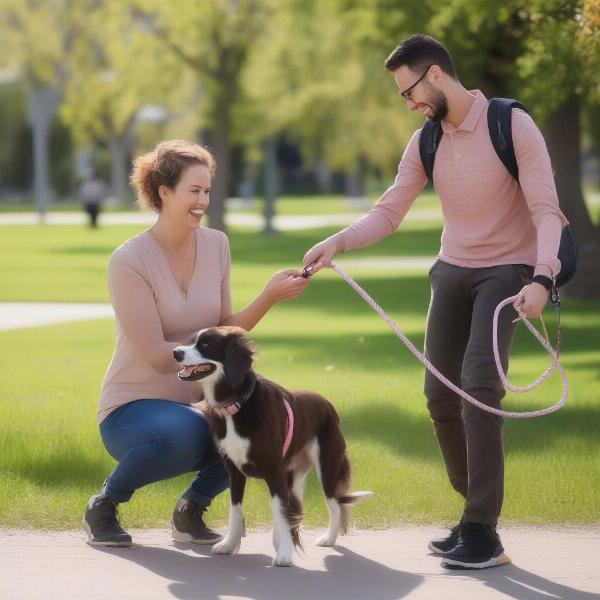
(498, 233)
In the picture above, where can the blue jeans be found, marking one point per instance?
(156, 439)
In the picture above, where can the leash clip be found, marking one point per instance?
(555, 296)
(307, 271)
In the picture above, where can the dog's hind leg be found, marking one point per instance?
(337, 512)
(237, 529)
(333, 470)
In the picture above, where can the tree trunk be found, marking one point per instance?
(355, 180)
(270, 184)
(562, 134)
(218, 143)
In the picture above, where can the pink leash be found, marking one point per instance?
(517, 415)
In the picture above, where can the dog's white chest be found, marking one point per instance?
(234, 446)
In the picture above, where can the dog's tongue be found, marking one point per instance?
(186, 371)
(191, 369)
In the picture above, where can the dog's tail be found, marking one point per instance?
(293, 514)
(346, 501)
(354, 498)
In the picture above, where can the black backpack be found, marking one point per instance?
(499, 117)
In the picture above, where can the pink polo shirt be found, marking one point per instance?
(489, 219)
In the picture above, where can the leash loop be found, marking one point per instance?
(421, 357)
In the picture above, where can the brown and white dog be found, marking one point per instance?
(250, 422)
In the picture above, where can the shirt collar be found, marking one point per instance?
(470, 121)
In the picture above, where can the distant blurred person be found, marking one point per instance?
(92, 193)
(501, 239)
(165, 284)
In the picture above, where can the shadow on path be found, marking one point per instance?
(348, 575)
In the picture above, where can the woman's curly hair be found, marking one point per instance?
(164, 166)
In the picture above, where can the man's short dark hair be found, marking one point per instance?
(419, 51)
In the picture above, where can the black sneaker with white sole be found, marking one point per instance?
(101, 523)
(444, 545)
(478, 547)
(188, 524)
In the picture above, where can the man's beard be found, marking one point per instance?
(437, 101)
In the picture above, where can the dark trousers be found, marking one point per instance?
(458, 342)
(93, 210)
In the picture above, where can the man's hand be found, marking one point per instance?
(531, 301)
(321, 254)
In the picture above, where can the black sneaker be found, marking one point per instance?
(102, 525)
(444, 545)
(188, 525)
(478, 547)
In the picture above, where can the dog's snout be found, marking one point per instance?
(178, 355)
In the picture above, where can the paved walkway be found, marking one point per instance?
(17, 315)
(366, 565)
(232, 218)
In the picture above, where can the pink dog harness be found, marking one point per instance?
(233, 408)
(290, 427)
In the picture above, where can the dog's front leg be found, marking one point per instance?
(236, 530)
(282, 537)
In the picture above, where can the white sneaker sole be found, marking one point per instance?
(496, 561)
(179, 536)
(92, 542)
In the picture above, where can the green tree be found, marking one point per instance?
(503, 48)
(560, 79)
(318, 75)
(212, 38)
(37, 37)
(114, 73)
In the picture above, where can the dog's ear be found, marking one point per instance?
(238, 358)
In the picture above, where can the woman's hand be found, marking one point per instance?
(531, 301)
(285, 285)
(322, 253)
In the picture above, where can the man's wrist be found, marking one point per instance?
(544, 281)
(338, 239)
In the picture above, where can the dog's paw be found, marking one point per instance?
(283, 559)
(326, 540)
(226, 547)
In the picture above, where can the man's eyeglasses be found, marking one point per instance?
(408, 91)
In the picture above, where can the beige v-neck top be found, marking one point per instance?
(153, 316)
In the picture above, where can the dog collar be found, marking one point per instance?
(235, 407)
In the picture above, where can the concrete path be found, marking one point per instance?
(237, 219)
(366, 565)
(16, 315)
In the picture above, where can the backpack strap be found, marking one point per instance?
(429, 140)
(499, 117)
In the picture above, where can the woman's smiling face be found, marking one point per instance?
(188, 201)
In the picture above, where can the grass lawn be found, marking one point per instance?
(52, 459)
